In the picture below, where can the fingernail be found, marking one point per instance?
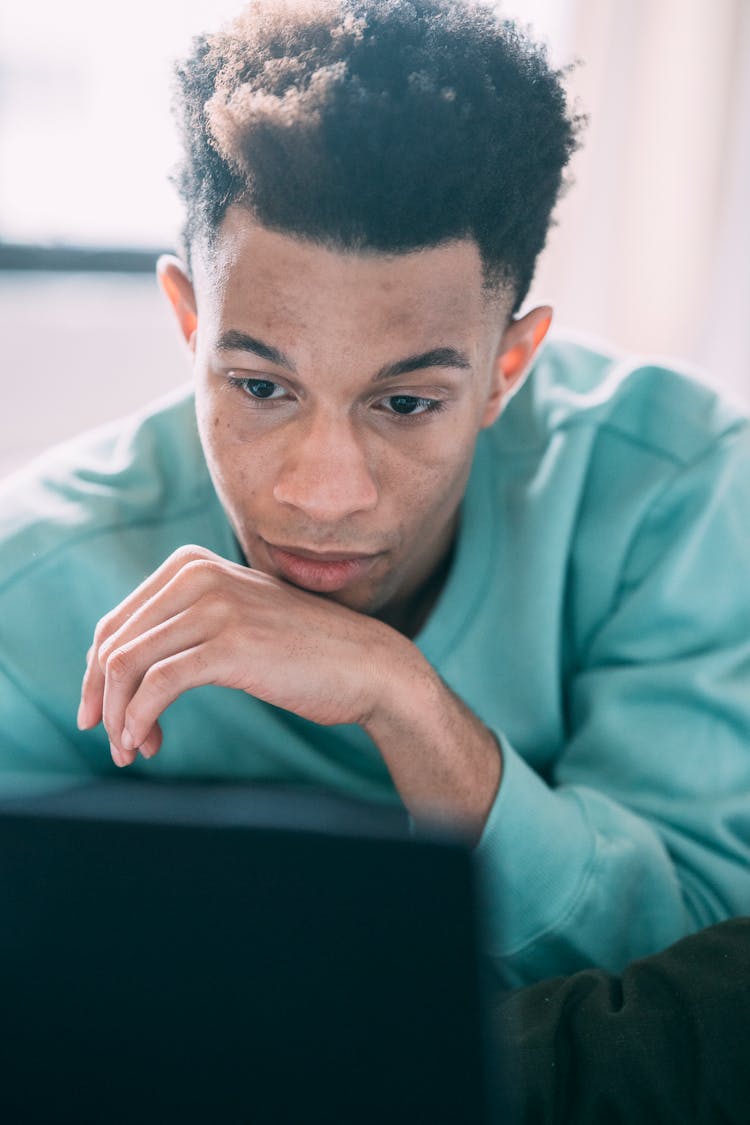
(127, 740)
(117, 757)
(81, 717)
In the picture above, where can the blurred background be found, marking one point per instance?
(651, 250)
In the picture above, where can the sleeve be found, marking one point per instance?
(666, 1041)
(642, 832)
(36, 755)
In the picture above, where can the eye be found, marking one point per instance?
(260, 389)
(410, 405)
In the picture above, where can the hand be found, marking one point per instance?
(200, 619)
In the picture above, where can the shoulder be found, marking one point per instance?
(660, 407)
(143, 469)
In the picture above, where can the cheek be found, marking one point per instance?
(214, 434)
(447, 490)
(426, 497)
(209, 419)
(215, 415)
(227, 459)
(434, 463)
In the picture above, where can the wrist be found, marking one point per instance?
(402, 682)
(444, 762)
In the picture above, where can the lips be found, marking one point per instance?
(321, 556)
(321, 572)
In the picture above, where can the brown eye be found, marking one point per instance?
(404, 404)
(260, 388)
(413, 405)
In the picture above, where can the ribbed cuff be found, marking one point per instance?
(534, 857)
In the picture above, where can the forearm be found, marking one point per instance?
(570, 876)
(444, 762)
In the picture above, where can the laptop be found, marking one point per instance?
(214, 953)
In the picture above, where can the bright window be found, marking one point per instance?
(86, 136)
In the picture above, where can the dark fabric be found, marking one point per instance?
(668, 1041)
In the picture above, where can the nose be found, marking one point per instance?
(325, 473)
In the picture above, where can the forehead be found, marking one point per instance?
(259, 278)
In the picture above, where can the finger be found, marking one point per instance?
(162, 684)
(90, 706)
(200, 566)
(152, 742)
(150, 746)
(195, 586)
(127, 665)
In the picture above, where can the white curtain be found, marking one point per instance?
(652, 250)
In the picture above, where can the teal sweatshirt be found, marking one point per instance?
(596, 618)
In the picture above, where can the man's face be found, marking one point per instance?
(339, 397)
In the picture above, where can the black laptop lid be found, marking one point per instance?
(217, 954)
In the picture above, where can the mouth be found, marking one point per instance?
(322, 572)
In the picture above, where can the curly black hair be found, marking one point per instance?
(385, 125)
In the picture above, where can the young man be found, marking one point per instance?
(391, 559)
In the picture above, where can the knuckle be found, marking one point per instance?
(106, 649)
(213, 601)
(118, 664)
(104, 628)
(199, 571)
(190, 552)
(160, 678)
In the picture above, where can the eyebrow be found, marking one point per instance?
(438, 357)
(233, 340)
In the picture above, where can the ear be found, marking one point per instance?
(178, 289)
(517, 347)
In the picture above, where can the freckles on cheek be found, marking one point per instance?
(219, 434)
(232, 466)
